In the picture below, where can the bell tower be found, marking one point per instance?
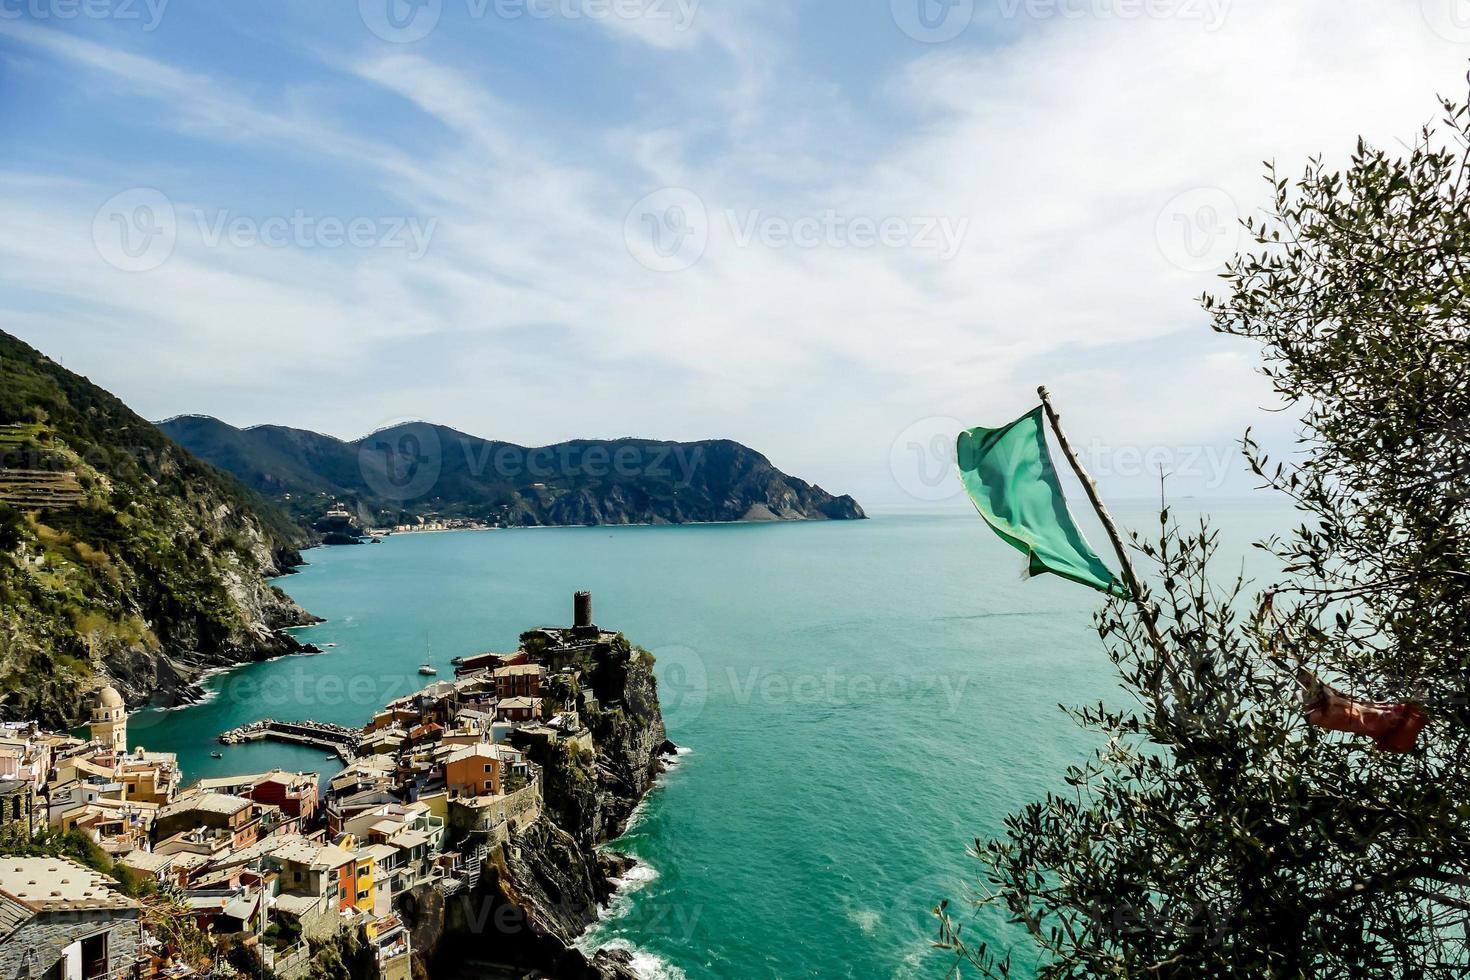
(110, 721)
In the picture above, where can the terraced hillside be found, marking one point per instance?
(123, 559)
(31, 470)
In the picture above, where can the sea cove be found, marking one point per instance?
(859, 700)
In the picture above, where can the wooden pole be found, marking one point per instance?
(1130, 578)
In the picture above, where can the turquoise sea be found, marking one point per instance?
(858, 702)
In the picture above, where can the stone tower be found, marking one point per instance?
(110, 721)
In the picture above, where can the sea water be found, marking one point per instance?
(856, 702)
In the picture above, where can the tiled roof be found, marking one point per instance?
(13, 915)
(205, 803)
(147, 861)
(519, 670)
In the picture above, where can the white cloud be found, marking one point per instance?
(1058, 151)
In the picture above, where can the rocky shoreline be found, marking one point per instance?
(550, 882)
(174, 676)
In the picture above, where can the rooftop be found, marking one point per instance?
(205, 802)
(483, 750)
(519, 670)
(297, 850)
(297, 905)
(378, 852)
(147, 861)
(44, 884)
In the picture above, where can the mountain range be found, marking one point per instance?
(126, 559)
(419, 470)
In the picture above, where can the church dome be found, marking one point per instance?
(109, 698)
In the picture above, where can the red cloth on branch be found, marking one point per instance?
(1392, 727)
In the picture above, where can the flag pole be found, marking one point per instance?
(1130, 578)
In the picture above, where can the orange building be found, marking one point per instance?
(473, 771)
(519, 681)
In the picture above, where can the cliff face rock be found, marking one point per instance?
(396, 474)
(591, 796)
(544, 888)
(123, 559)
(629, 735)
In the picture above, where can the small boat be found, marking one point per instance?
(330, 645)
(428, 669)
(457, 661)
(216, 755)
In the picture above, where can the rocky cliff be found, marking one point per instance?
(544, 888)
(123, 559)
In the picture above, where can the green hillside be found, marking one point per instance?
(123, 559)
(417, 469)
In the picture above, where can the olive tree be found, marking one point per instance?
(1217, 832)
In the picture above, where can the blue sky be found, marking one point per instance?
(831, 230)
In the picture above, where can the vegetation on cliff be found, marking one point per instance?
(123, 559)
(414, 469)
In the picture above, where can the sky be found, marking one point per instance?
(837, 231)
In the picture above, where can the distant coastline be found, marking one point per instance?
(423, 473)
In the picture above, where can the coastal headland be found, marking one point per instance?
(465, 827)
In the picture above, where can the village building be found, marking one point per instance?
(489, 820)
(230, 818)
(518, 709)
(489, 662)
(150, 864)
(228, 909)
(383, 741)
(61, 919)
(388, 939)
(295, 794)
(519, 680)
(91, 787)
(17, 803)
(474, 771)
(25, 754)
(414, 833)
(118, 826)
(193, 851)
(110, 722)
(148, 777)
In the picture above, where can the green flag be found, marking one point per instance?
(1009, 475)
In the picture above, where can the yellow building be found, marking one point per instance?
(364, 888)
(110, 721)
(152, 777)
